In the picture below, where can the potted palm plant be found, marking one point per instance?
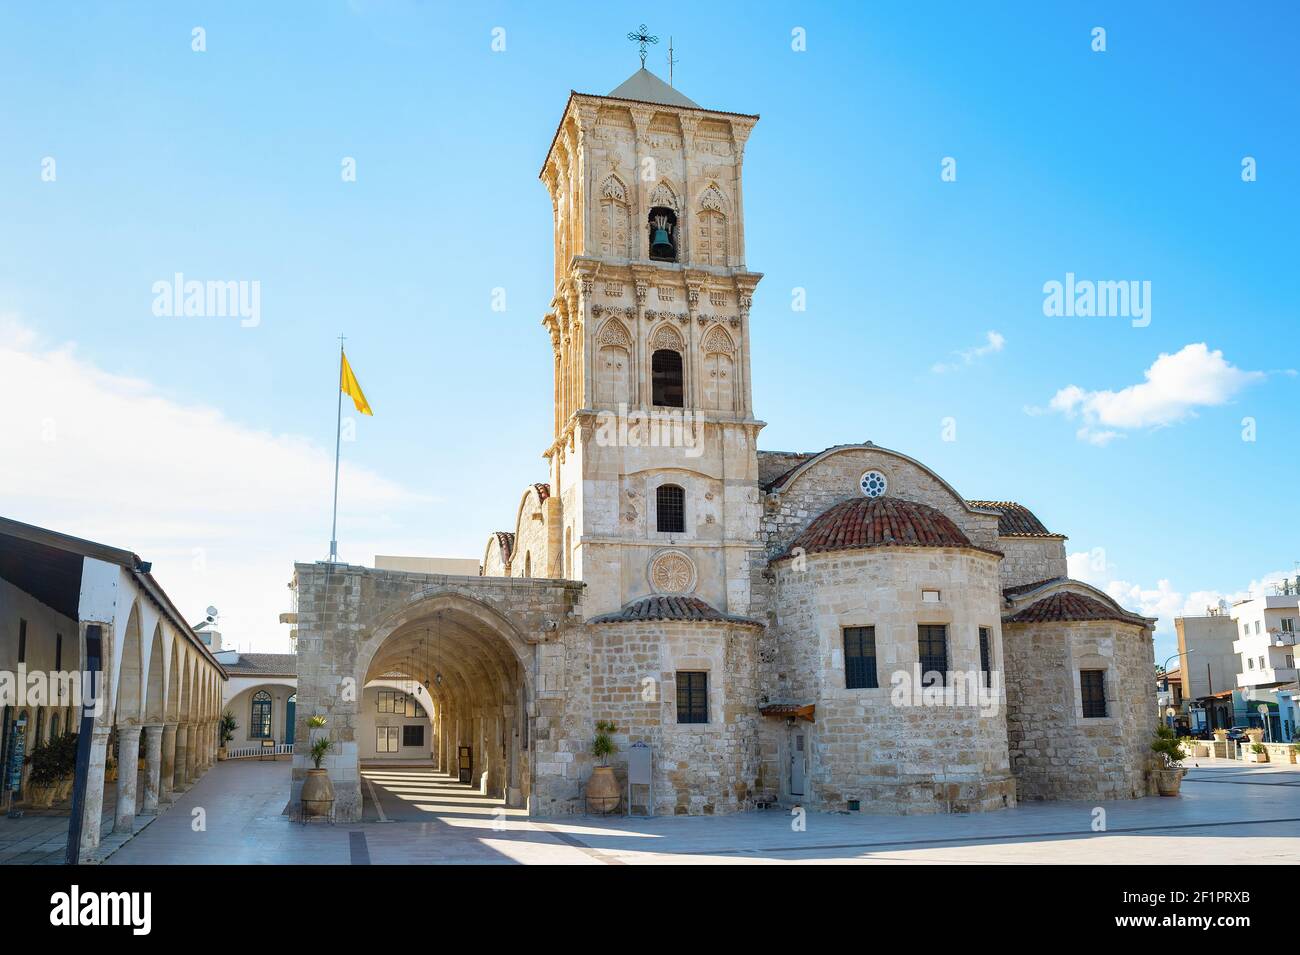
(317, 790)
(53, 764)
(228, 727)
(602, 788)
(1169, 773)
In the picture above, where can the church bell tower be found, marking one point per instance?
(653, 455)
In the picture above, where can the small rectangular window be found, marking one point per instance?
(860, 658)
(1092, 687)
(386, 739)
(670, 509)
(692, 697)
(930, 596)
(986, 664)
(932, 644)
(1288, 624)
(412, 735)
(58, 652)
(22, 641)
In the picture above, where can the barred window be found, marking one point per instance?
(860, 658)
(985, 654)
(1092, 686)
(670, 509)
(666, 387)
(692, 697)
(932, 642)
(412, 735)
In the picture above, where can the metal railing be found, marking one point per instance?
(246, 752)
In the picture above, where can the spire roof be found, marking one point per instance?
(645, 87)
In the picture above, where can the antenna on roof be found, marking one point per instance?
(672, 61)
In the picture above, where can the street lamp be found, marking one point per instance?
(1164, 670)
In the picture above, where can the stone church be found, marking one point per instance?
(842, 630)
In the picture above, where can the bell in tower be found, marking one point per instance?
(663, 228)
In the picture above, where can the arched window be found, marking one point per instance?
(666, 379)
(663, 234)
(54, 726)
(528, 564)
(259, 720)
(670, 509)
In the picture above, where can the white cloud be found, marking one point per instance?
(221, 509)
(1163, 600)
(993, 342)
(1175, 386)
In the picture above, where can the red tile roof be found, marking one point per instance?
(879, 522)
(1065, 605)
(506, 541)
(1017, 589)
(543, 491)
(1015, 520)
(665, 607)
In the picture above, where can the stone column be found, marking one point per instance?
(179, 779)
(167, 776)
(128, 758)
(209, 743)
(93, 808)
(152, 768)
(191, 752)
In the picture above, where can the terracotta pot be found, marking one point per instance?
(317, 793)
(42, 796)
(221, 752)
(602, 791)
(1168, 781)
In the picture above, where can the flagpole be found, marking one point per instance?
(338, 434)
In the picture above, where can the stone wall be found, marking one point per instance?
(1055, 752)
(890, 753)
(1028, 560)
(699, 768)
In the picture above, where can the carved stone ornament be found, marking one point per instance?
(672, 572)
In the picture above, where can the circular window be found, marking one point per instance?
(873, 484)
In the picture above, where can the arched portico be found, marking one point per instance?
(483, 650)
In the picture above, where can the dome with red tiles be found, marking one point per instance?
(879, 522)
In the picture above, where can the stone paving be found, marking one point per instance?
(40, 836)
(1230, 813)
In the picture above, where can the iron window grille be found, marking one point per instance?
(932, 642)
(666, 388)
(670, 509)
(412, 735)
(692, 697)
(1092, 687)
(986, 663)
(860, 658)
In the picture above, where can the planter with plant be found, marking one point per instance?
(1258, 753)
(1221, 735)
(1169, 771)
(1295, 750)
(53, 764)
(602, 788)
(228, 726)
(317, 790)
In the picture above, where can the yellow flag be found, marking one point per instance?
(349, 385)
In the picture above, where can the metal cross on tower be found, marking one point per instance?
(640, 36)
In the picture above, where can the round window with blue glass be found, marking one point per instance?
(873, 484)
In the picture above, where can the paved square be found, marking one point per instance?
(1230, 813)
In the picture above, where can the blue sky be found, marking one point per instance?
(225, 164)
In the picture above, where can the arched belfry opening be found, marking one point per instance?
(666, 379)
(663, 234)
(444, 684)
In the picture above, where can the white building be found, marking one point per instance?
(1266, 637)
